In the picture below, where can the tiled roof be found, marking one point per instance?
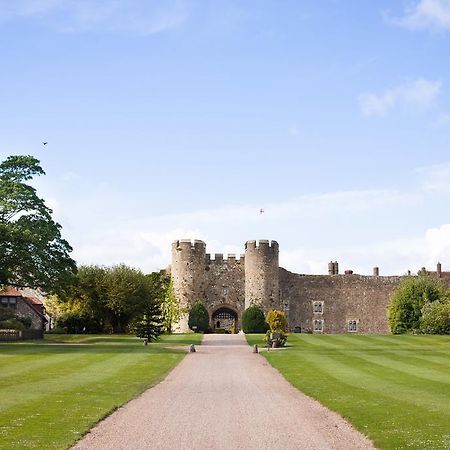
(10, 292)
(34, 300)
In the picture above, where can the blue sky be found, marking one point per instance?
(177, 119)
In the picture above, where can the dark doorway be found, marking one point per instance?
(225, 320)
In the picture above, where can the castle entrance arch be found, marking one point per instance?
(224, 320)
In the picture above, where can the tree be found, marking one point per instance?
(170, 307)
(128, 294)
(108, 299)
(253, 320)
(408, 300)
(32, 251)
(149, 325)
(198, 318)
(73, 315)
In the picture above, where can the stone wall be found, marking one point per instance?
(359, 298)
(224, 284)
(23, 309)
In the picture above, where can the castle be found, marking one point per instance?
(332, 303)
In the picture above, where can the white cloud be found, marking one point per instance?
(431, 15)
(129, 16)
(438, 245)
(419, 94)
(435, 178)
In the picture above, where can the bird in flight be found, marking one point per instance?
(45, 143)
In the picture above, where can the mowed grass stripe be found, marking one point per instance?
(411, 364)
(51, 409)
(383, 385)
(79, 372)
(356, 372)
(30, 364)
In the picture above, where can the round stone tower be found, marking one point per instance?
(262, 274)
(188, 260)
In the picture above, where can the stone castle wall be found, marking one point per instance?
(336, 300)
(322, 303)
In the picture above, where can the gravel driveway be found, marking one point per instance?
(223, 397)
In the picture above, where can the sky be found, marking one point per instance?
(183, 118)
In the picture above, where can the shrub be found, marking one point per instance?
(276, 320)
(198, 318)
(253, 320)
(277, 335)
(436, 318)
(10, 320)
(408, 300)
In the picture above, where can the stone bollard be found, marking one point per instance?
(145, 341)
(255, 348)
(192, 348)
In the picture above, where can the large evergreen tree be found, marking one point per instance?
(149, 325)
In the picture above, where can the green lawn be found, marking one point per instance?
(51, 393)
(395, 389)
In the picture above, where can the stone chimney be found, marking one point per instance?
(336, 268)
(331, 268)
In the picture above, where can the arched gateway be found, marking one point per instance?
(224, 319)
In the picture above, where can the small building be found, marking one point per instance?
(24, 306)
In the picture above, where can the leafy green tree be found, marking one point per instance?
(128, 294)
(408, 300)
(198, 318)
(32, 251)
(170, 306)
(150, 324)
(74, 315)
(253, 320)
(107, 299)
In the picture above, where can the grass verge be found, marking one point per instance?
(394, 389)
(53, 391)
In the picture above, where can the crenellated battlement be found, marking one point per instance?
(188, 245)
(262, 244)
(220, 259)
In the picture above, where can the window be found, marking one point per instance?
(225, 291)
(10, 302)
(352, 325)
(318, 325)
(318, 307)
